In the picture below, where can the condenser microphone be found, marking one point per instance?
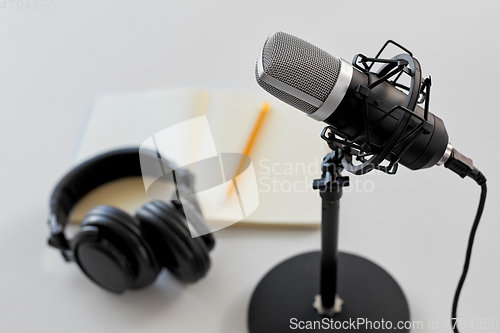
(368, 112)
(329, 89)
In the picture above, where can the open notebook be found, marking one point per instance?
(286, 155)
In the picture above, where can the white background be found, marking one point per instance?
(414, 224)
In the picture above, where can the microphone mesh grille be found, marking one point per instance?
(285, 97)
(301, 65)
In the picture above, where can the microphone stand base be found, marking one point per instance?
(283, 300)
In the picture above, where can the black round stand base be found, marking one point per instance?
(282, 302)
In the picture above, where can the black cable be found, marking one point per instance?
(481, 180)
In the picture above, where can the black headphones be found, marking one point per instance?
(118, 251)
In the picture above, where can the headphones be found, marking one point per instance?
(118, 251)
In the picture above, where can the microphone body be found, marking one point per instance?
(325, 88)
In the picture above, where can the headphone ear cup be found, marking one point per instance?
(167, 231)
(102, 261)
(112, 250)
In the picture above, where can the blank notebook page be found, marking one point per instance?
(286, 156)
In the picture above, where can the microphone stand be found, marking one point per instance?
(372, 300)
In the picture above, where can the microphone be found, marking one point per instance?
(329, 89)
(367, 113)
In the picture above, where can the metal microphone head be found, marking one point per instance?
(326, 89)
(299, 73)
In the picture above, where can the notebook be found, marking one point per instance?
(286, 156)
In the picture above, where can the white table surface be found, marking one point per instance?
(414, 224)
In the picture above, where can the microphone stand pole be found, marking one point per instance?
(330, 188)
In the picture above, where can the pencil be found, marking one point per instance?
(250, 142)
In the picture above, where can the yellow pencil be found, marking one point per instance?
(251, 140)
